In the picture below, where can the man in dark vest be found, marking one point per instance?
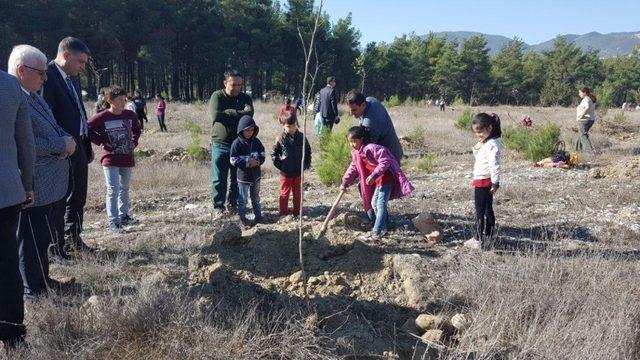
(226, 107)
(63, 94)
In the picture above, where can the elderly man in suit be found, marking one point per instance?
(53, 146)
(17, 159)
(63, 94)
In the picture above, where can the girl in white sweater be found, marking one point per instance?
(486, 174)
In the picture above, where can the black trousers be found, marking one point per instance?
(328, 122)
(11, 301)
(34, 237)
(76, 196)
(485, 219)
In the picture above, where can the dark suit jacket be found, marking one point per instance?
(64, 107)
(328, 102)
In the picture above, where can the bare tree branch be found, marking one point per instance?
(306, 92)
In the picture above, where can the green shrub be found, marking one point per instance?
(392, 101)
(457, 101)
(335, 155)
(464, 121)
(194, 150)
(536, 144)
(416, 137)
(427, 163)
(619, 118)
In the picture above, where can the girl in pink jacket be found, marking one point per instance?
(380, 176)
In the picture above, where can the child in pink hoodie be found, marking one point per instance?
(380, 176)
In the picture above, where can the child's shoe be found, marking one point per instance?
(116, 228)
(127, 220)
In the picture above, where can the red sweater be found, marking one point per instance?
(117, 134)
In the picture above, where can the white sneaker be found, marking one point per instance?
(473, 244)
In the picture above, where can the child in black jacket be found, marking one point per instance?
(247, 154)
(287, 157)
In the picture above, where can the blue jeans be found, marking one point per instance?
(221, 169)
(379, 204)
(249, 190)
(117, 180)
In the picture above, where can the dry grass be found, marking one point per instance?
(160, 323)
(549, 306)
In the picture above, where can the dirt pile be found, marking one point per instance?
(623, 170)
(377, 287)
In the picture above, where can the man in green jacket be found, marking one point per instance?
(226, 107)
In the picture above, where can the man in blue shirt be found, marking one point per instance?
(375, 118)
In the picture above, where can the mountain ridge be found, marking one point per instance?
(608, 45)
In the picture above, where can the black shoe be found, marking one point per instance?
(75, 243)
(128, 220)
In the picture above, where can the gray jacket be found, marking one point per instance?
(17, 153)
(380, 127)
(52, 174)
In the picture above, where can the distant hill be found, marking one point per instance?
(612, 44)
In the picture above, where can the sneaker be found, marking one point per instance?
(473, 244)
(116, 228)
(371, 237)
(245, 223)
(127, 220)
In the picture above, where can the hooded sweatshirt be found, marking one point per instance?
(243, 150)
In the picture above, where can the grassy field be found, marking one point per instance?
(559, 283)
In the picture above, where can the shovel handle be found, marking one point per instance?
(333, 210)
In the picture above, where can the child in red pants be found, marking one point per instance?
(287, 157)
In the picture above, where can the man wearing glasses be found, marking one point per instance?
(63, 94)
(53, 147)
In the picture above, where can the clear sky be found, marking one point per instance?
(532, 21)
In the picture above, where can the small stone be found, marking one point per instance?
(426, 224)
(433, 322)
(313, 280)
(296, 277)
(426, 321)
(434, 237)
(432, 336)
(93, 301)
(460, 322)
(190, 207)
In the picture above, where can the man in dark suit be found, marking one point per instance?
(63, 94)
(329, 104)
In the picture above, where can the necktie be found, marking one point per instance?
(74, 94)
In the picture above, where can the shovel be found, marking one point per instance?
(330, 214)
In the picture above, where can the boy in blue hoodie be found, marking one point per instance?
(247, 154)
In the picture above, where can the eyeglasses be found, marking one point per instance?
(42, 73)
